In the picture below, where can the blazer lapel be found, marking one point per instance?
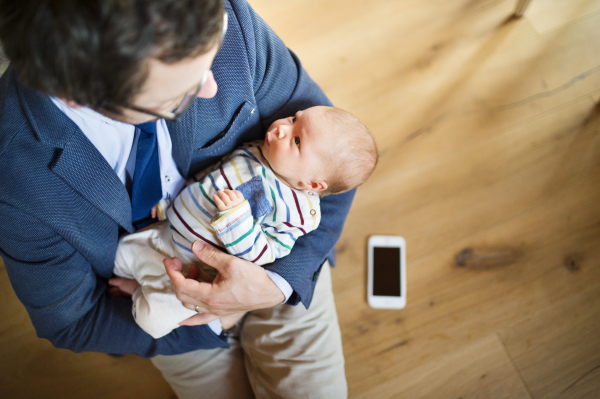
(82, 167)
(182, 139)
(77, 161)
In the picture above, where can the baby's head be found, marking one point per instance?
(321, 149)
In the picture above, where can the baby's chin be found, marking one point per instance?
(263, 146)
(264, 150)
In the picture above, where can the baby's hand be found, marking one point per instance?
(154, 212)
(227, 199)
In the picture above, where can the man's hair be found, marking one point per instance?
(95, 52)
(353, 157)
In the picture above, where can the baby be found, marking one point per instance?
(253, 204)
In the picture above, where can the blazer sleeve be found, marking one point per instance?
(282, 87)
(69, 304)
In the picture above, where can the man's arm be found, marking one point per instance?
(69, 305)
(282, 87)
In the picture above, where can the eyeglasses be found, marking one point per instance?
(183, 106)
(188, 99)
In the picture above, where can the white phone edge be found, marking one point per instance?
(387, 302)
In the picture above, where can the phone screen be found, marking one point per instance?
(386, 271)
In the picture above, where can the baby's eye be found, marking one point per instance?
(297, 140)
(294, 119)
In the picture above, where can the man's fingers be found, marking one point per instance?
(207, 309)
(193, 272)
(189, 301)
(196, 273)
(212, 257)
(210, 310)
(203, 276)
(184, 286)
(174, 269)
(200, 318)
(201, 309)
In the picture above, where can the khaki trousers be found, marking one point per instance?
(282, 352)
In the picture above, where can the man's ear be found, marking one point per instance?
(316, 185)
(70, 103)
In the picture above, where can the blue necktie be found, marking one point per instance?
(147, 189)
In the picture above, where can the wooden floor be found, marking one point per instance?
(490, 169)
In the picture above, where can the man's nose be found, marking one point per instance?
(209, 90)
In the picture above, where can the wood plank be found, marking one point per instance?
(547, 15)
(490, 142)
(527, 81)
(450, 306)
(405, 87)
(386, 45)
(480, 369)
(532, 232)
(33, 368)
(557, 351)
(427, 105)
(499, 177)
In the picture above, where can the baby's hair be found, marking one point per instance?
(354, 154)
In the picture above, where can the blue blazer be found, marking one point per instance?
(62, 206)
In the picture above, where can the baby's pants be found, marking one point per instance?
(140, 256)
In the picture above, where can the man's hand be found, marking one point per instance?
(240, 286)
(227, 199)
(205, 318)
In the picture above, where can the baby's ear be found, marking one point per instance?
(316, 185)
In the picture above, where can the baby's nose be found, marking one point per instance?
(280, 132)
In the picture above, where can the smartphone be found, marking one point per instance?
(387, 272)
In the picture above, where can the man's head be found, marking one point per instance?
(321, 149)
(112, 54)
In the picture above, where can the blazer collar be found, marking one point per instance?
(50, 124)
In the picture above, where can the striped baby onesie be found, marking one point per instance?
(261, 229)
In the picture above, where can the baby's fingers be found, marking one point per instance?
(224, 195)
(231, 195)
(238, 195)
(217, 199)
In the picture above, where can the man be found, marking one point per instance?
(82, 74)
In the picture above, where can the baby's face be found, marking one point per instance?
(293, 147)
